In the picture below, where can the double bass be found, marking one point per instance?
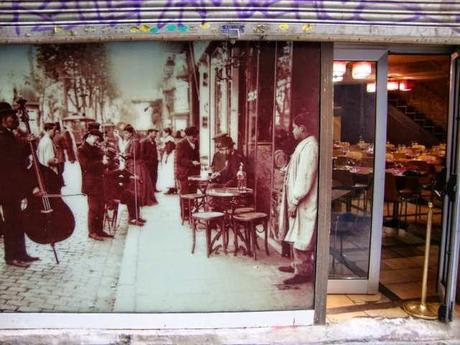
(46, 219)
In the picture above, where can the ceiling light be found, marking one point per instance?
(392, 85)
(404, 85)
(339, 68)
(370, 87)
(361, 70)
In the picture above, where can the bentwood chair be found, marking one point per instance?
(213, 221)
(190, 203)
(249, 222)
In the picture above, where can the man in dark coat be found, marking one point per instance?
(227, 176)
(187, 160)
(220, 156)
(93, 162)
(14, 185)
(149, 155)
(116, 187)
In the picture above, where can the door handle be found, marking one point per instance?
(451, 187)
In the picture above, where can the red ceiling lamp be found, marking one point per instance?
(338, 70)
(361, 70)
(405, 85)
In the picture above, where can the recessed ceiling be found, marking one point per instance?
(418, 67)
(408, 67)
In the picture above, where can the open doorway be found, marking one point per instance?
(418, 102)
(415, 159)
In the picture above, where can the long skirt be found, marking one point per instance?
(166, 179)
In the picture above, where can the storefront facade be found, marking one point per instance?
(275, 64)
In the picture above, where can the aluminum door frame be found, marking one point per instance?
(371, 284)
(450, 241)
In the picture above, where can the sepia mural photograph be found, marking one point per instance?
(159, 176)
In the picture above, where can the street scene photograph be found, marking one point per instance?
(159, 176)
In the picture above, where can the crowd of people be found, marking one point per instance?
(127, 167)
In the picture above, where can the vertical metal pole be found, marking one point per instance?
(427, 253)
(422, 309)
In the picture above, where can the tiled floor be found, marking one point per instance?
(344, 307)
(402, 260)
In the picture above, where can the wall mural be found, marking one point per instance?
(179, 15)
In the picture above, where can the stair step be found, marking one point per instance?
(419, 118)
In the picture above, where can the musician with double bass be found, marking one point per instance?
(93, 163)
(15, 184)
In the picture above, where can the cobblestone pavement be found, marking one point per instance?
(84, 281)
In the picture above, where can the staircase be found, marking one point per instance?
(417, 117)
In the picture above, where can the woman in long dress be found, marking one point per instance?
(142, 186)
(167, 179)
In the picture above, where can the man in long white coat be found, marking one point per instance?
(299, 203)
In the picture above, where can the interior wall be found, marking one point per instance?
(348, 98)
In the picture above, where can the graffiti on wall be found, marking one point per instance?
(41, 16)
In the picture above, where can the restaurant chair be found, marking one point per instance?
(399, 155)
(248, 223)
(344, 161)
(343, 179)
(392, 196)
(110, 221)
(367, 162)
(211, 221)
(420, 166)
(190, 203)
(411, 192)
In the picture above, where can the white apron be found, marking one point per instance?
(301, 189)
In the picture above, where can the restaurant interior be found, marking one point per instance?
(416, 137)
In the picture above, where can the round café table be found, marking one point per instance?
(231, 195)
(201, 182)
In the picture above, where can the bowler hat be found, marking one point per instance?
(192, 131)
(94, 132)
(6, 109)
(93, 125)
(219, 137)
(227, 142)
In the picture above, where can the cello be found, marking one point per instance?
(46, 219)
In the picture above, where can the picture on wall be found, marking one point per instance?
(159, 176)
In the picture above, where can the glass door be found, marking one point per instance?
(360, 111)
(449, 251)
